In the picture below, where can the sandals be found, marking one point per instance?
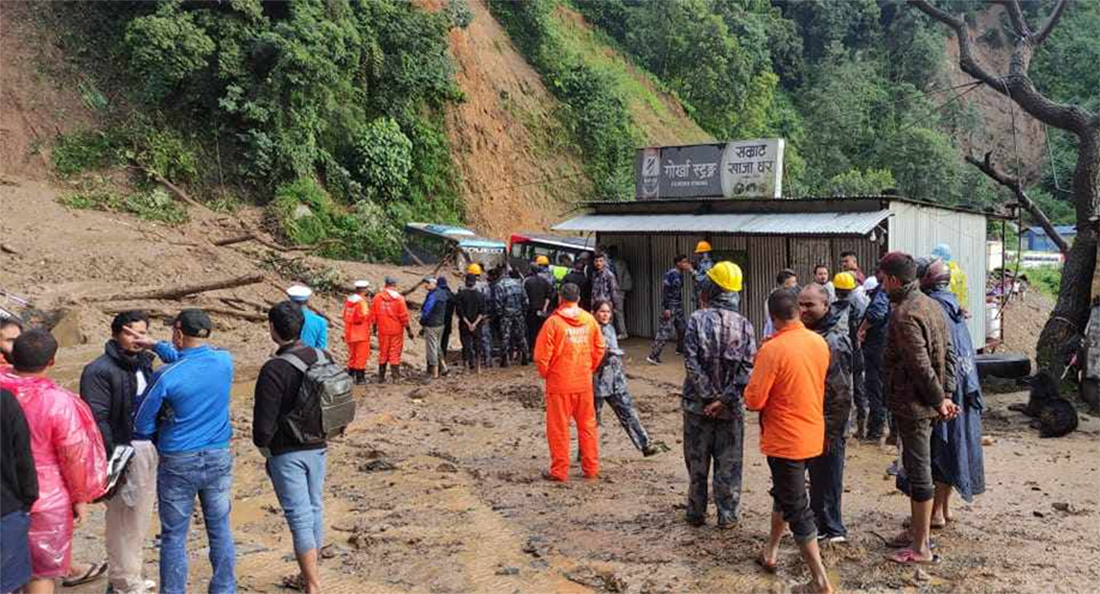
(768, 567)
(910, 557)
(94, 573)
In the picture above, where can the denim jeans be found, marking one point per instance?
(826, 489)
(180, 477)
(299, 481)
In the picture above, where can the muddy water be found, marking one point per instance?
(436, 488)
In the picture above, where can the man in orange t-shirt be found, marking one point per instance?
(568, 350)
(788, 388)
(391, 316)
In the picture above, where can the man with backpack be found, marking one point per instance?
(293, 391)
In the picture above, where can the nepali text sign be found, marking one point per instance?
(742, 169)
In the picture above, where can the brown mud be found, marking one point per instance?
(437, 488)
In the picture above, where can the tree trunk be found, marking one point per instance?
(1071, 312)
(182, 291)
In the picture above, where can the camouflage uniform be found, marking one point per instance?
(610, 385)
(485, 329)
(719, 348)
(827, 470)
(859, 301)
(672, 300)
(606, 288)
(701, 268)
(512, 310)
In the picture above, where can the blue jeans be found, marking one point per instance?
(827, 487)
(15, 569)
(299, 481)
(180, 477)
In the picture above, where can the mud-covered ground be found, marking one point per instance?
(436, 488)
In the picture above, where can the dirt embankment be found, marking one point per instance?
(518, 171)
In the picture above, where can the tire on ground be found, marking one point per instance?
(1005, 365)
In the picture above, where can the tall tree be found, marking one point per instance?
(1071, 312)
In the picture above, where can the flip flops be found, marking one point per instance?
(768, 567)
(94, 573)
(910, 557)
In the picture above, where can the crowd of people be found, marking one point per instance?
(885, 353)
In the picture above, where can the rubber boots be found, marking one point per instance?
(382, 373)
(432, 373)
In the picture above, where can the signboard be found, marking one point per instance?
(741, 169)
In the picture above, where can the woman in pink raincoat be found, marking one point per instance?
(68, 456)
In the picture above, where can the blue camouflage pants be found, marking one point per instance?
(485, 343)
(623, 406)
(719, 443)
(513, 336)
(666, 330)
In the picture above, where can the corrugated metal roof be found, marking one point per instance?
(810, 223)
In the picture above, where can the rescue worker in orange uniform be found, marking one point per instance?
(391, 316)
(357, 331)
(568, 351)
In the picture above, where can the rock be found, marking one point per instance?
(377, 466)
(508, 571)
(1038, 514)
(446, 467)
(67, 330)
(920, 576)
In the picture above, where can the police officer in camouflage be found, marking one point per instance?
(719, 347)
(672, 310)
(512, 311)
(485, 330)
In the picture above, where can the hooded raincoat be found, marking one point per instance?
(357, 330)
(70, 461)
(391, 315)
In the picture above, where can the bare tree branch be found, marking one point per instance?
(1016, 15)
(966, 59)
(1013, 184)
(1050, 23)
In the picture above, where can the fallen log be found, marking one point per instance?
(171, 293)
(235, 239)
(163, 312)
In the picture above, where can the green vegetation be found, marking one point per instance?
(1046, 278)
(153, 205)
(278, 99)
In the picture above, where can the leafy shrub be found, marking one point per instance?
(86, 150)
(167, 153)
(384, 160)
(166, 49)
(459, 13)
(304, 211)
(1048, 279)
(153, 205)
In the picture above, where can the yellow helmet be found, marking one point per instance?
(702, 247)
(473, 268)
(844, 281)
(727, 275)
(542, 260)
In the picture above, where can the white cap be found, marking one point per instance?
(299, 292)
(362, 284)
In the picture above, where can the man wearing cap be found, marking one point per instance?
(485, 329)
(719, 346)
(357, 330)
(315, 329)
(185, 411)
(957, 286)
(391, 316)
(568, 351)
(848, 289)
(432, 317)
(471, 309)
(703, 264)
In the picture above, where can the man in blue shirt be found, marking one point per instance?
(315, 330)
(185, 411)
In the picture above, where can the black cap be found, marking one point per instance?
(194, 323)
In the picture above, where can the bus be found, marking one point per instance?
(427, 244)
(562, 251)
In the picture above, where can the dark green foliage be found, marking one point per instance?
(83, 151)
(154, 204)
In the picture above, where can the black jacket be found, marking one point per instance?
(276, 395)
(109, 386)
(19, 484)
(584, 283)
(469, 304)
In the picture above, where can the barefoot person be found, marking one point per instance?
(610, 384)
(957, 460)
(788, 388)
(920, 377)
(719, 346)
(568, 351)
(69, 459)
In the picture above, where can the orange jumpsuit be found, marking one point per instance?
(391, 315)
(568, 350)
(357, 328)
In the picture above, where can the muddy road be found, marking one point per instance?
(437, 488)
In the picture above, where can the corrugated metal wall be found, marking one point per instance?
(650, 256)
(917, 229)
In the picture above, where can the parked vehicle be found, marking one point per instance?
(562, 251)
(428, 244)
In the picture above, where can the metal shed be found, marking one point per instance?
(764, 236)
